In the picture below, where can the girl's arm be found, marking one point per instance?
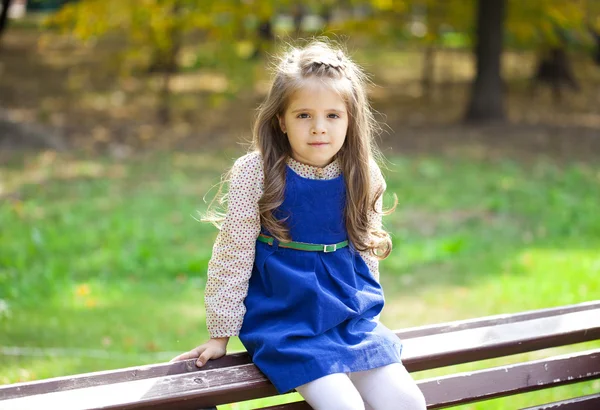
(230, 266)
(375, 217)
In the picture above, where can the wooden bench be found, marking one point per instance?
(234, 378)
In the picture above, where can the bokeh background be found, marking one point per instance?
(118, 117)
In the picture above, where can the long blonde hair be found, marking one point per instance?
(320, 60)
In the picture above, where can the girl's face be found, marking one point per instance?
(316, 122)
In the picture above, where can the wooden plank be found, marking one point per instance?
(182, 392)
(470, 345)
(508, 380)
(117, 376)
(591, 402)
(237, 359)
(501, 381)
(495, 320)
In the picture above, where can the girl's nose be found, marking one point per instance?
(318, 129)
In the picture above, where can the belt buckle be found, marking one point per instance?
(330, 248)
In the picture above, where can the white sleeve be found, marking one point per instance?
(374, 217)
(230, 266)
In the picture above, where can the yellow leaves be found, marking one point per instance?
(244, 49)
(383, 4)
(397, 6)
(523, 32)
(83, 290)
(91, 303)
(83, 295)
(543, 20)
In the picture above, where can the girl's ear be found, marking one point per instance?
(281, 123)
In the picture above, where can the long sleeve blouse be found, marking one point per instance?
(230, 266)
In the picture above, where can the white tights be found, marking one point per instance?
(383, 388)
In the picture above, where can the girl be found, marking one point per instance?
(294, 271)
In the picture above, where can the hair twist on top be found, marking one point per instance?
(327, 67)
(327, 63)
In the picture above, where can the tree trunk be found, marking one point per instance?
(4, 16)
(298, 13)
(487, 91)
(554, 69)
(170, 66)
(428, 72)
(164, 99)
(596, 35)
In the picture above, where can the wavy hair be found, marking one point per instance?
(330, 64)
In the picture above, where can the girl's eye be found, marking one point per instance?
(333, 116)
(303, 115)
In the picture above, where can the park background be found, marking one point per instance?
(118, 117)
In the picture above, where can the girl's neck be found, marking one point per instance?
(312, 165)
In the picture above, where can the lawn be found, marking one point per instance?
(102, 262)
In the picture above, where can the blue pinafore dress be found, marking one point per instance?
(310, 314)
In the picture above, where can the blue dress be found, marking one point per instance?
(310, 314)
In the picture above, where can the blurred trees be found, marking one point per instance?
(552, 25)
(153, 32)
(4, 15)
(487, 95)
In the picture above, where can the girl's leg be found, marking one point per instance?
(388, 387)
(332, 392)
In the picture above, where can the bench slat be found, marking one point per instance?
(470, 345)
(172, 392)
(513, 379)
(237, 359)
(501, 381)
(591, 402)
(117, 376)
(496, 320)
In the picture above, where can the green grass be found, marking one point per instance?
(102, 264)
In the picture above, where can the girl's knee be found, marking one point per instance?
(390, 387)
(415, 400)
(336, 401)
(403, 399)
(348, 404)
(332, 392)
(411, 397)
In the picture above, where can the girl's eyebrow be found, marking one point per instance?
(309, 109)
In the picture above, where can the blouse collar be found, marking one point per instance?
(330, 171)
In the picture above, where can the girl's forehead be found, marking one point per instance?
(315, 93)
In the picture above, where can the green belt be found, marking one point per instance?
(302, 246)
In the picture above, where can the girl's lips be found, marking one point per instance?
(317, 143)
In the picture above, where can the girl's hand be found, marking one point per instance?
(213, 349)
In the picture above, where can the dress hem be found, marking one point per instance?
(358, 361)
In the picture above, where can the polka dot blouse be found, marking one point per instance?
(230, 267)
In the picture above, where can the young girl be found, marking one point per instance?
(294, 271)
